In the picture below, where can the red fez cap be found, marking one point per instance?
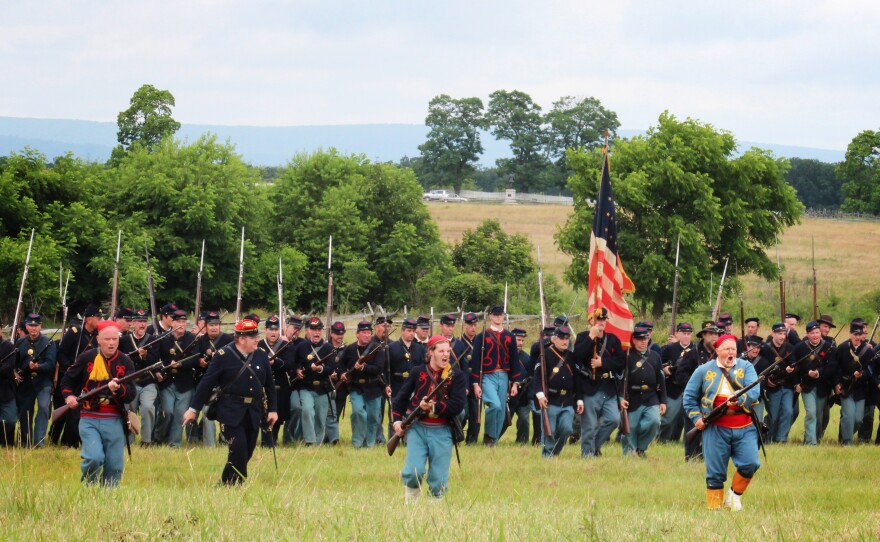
(432, 342)
(104, 324)
(721, 339)
(246, 326)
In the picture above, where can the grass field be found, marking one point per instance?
(506, 493)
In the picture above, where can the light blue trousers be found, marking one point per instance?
(495, 399)
(601, 415)
(364, 417)
(561, 421)
(315, 407)
(644, 424)
(431, 445)
(103, 450)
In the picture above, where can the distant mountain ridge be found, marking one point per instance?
(275, 146)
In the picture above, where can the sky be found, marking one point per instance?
(788, 72)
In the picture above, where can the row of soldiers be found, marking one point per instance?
(317, 376)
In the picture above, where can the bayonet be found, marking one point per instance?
(675, 288)
(545, 415)
(115, 290)
(152, 291)
(240, 278)
(717, 308)
(329, 286)
(18, 305)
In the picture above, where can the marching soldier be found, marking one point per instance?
(166, 318)
(380, 338)
(36, 365)
(521, 405)
(209, 339)
(534, 358)
(643, 392)
(674, 357)
(497, 364)
(8, 381)
(852, 359)
(563, 391)
(780, 383)
(404, 354)
(176, 381)
(102, 419)
(791, 322)
(337, 396)
(293, 428)
(134, 344)
(463, 353)
(364, 365)
(815, 374)
(754, 355)
(423, 329)
(293, 330)
(280, 357)
(123, 320)
(732, 435)
(76, 340)
(753, 326)
(314, 360)
(246, 401)
(599, 356)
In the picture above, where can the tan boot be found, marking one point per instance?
(714, 498)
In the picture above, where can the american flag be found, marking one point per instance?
(608, 281)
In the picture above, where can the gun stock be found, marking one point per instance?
(62, 410)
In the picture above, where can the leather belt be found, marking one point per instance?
(605, 375)
(558, 392)
(242, 399)
(643, 387)
(103, 401)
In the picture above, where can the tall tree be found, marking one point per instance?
(860, 173)
(514, 116)
(453, 144)
(147, 120)
(576, 124)
(817, 183)
(682, 177)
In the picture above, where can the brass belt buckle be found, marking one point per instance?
(563, 392)
(645, 387)
(247, 400)
(362, 381)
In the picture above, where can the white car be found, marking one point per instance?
(444, 196)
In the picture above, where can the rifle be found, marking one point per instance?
(367, 356)
(113, 298)
(624, 413)
(717, 308)
(198, 308)
(240, 278)
(27, 263)
(873, 330)
(506, 316)
(674, 289)
(480, 361)
(815, 302)
(545, 413)
(431, 323)
(781, 285)
(153, 310)
(417, 413)
(329, 287)
(62, 292)
(718, 411)
(742, 318)
(282, 316)
(85, 396)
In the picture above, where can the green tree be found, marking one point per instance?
(575, 123)
(514, 116)
(860, 173)
(491, 252)
(384, 240)
(146, 122)
(453, 146)
(817, 184)
(682, 177)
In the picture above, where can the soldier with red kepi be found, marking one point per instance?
(732, 435)
(101, 418)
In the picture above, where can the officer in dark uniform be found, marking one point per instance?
(77, 339)
(673, 356)
(314, 359)
(36, 365)
(209, 340)
(339, 394)
(462, 354)
(280, 353)
(242, 372)
(563, 397)
(8, 382)
(364, 366)
(136, 345)
(643, 393)
(177, 381)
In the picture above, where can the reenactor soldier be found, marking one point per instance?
(791, 322)
(36, 365)
(123, 320)
(340, 395)
(208, 342)
(815, 370)
(314, 359)
(135, 345)
(364, 366)
(780, 383)
(643, 393)
(496, 365)
(293, 428)
(754, 354)
(534, 357)
(8, 381)
(76, 340)
(102, 419)
(675, 357)
(404, 354)
(423, 329)
(293, 330)
(447, 327)
(826, 324)
(708, 334)
(176, 381)
(247, 400)
(166, 317)
(521, 405)
(280, 357)
(853, 357)
(381, 330)
(599, 357)
(463, 353)
(753, 326)
(650, 327)
(726, 323)
(563, 398)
